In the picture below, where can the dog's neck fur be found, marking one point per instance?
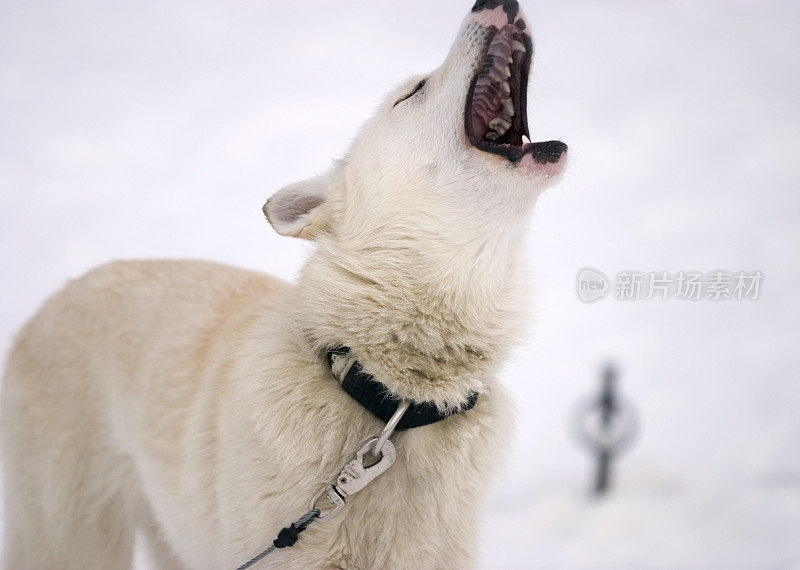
(429, 324)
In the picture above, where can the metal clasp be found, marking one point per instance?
(356, 475)
(336, 500)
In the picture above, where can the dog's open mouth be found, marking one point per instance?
(496, 115)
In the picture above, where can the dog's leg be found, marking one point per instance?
(66, 496)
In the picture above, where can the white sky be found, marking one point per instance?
(157, 129)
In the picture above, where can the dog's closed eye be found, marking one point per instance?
(416, 89)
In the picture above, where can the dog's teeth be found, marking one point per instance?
(506, 88)
(525, 140)
(508, 107)
(499, 125)
(491, 135)
(510, 60)
(507, 71)
(517, 45)
(498, 122)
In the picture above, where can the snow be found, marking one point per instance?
(157, 129)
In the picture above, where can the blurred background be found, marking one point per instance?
(158, 129)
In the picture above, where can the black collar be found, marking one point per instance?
(376, 397)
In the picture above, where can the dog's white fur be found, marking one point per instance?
(192, 401)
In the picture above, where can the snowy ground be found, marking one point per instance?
(159, 128)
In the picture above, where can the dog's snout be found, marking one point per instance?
(498, 13)
(509, 6)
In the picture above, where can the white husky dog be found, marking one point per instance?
(194, 403)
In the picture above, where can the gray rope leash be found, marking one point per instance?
(286, 537)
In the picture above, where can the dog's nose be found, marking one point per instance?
(510, 6)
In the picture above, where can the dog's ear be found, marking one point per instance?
(300, 209)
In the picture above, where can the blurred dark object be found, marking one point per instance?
(606, 425)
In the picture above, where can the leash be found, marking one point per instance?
(372, 459)
(375, 456)
(286, 537)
